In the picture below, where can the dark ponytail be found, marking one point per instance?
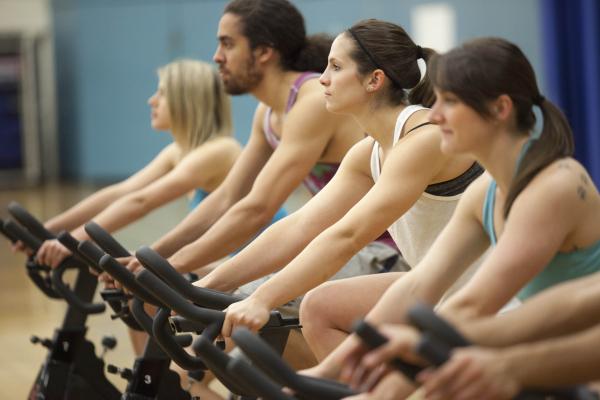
(555, 142)
(313, 55)
(279, 24)
(423, 92)
(481, 70)
(386, 46)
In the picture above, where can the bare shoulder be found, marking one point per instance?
(566, 180)
(219, 149)
(474, 196)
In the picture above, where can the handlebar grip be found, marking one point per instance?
(265, 357)
(126, 277)
(174, 300)
(374, 339)
(264, 387)
(7, 234)
(32, 224)
(426, 320)
(67, 240)
(431, 348)
(15, 230)
(105, 240)
(204, 297)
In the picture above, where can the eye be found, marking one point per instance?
(335, 67)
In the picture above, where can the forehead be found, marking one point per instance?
(341, 47)
(229, 27)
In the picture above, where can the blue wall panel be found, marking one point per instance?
(108, 52)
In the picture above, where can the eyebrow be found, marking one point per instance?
(224, 38)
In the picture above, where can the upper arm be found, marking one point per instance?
(198, 169)
(409, 168)
(459, 244)
(158, 167)
(540, 219)
(350, 183)
(250, 162)
(307, 131)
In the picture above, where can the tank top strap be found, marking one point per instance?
(375, 163)
(403, 117)
(303, 77)
(488, 212)
(270, 135)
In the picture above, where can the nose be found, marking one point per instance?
(218, 56)
(324, 78)
(152, 99)
(435, 115)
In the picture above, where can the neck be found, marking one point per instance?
(274, 88)
(380, 123)
(179, 140)
(500, 157)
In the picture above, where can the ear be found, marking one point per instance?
(502, 107)
(263, 53)
(375, 81)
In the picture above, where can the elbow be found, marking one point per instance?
(257, 213)
(460, 309)
(137, 204)
(349, 240)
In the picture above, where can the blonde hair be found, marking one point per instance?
(199, 107)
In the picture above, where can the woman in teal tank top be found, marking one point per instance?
(536, 208)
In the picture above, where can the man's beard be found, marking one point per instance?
(245, 81)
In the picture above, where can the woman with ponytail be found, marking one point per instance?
(537, 207)
(395, 179)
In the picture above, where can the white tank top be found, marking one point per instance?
(415, 231)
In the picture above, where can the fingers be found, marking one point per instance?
(52, 253)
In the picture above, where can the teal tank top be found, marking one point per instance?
(563, 267)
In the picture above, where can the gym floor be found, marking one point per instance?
(25, 311)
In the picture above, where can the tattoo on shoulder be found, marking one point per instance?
(564, 164)
(581, 192)
(584, 179)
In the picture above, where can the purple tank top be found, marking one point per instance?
(322, 172)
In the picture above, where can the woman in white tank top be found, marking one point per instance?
(396, 176)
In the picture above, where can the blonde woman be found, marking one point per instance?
(191, 104)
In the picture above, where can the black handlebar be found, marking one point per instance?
(263, 356)
(264, 387)
(173, 300)
(161, 267)
(17, 232)
(439, 338)
(29, 221)
(105, 240)
(127, 278)
(66, 292)
(372, 338)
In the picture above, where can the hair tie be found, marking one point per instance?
(420, 53)
(538, 100)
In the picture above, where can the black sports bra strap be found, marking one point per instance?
(418, 126)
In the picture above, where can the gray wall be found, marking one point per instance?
(107, 52)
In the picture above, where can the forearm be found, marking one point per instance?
(119, 214)
(85, 210)
(318, 262)
(194, 224)
(234, 229)
(567, 360)
(267, 254)
(573, 306)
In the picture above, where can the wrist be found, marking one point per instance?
(265, 297)
(512, 363)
